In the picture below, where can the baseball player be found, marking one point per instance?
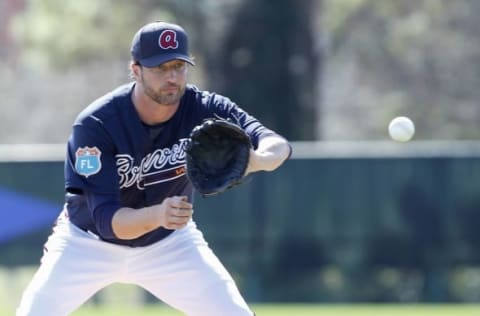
(128, 205)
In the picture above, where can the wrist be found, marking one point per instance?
(260, 161)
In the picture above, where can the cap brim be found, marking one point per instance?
(158, 60)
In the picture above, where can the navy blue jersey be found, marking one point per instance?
(114, 160)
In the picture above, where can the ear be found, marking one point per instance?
(135, 70)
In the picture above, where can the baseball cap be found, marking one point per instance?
(159, 42)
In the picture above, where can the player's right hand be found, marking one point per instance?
(175, 212)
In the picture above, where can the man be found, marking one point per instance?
(128, 211)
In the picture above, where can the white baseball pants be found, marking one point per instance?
(181, 270)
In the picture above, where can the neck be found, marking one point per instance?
(151, 112)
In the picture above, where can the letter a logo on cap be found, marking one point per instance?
(168, 39)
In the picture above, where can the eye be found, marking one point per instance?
(179, 66)
(159, 69)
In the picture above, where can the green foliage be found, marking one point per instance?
(59, 33)
(338, 11)
(344, 68)
(416, 58)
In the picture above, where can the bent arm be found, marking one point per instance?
(270, 154)
(128, 223)
(173, 213)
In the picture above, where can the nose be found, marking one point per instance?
(171, 74)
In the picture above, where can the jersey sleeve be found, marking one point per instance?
(223, 107)
(90, 164)
(90, 170)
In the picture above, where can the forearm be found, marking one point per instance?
(128, 223)
(173, 213)
(270, 154)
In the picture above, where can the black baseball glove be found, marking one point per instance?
(217, 156)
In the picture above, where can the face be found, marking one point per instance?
(165, 83)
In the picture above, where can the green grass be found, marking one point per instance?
(367, 310)
(301, 310)
(297, 310)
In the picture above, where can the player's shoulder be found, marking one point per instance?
(106, 106)
(205, 98)
(193, 93)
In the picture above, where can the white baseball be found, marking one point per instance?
(401, 129)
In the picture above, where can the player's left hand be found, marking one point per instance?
(217, 156)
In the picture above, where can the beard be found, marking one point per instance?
(161, 97)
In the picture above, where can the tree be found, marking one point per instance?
(414, 58)
(270, 62)
(59, 34)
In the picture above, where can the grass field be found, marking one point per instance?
(318, 310)
(128, 300)
(299, 310)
